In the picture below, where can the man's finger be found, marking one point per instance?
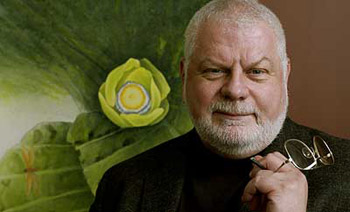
(272, 162)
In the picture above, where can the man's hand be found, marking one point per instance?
(282, 191)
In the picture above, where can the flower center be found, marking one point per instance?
(133, 98)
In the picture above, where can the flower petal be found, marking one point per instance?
(155, 96)
(159, 78)
(114, 78)
(102, 89)
(137, 120)
(140, 76)
(165, 105)
(111, 113)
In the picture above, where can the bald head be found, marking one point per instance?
(241, 13)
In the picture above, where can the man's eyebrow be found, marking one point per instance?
(210, 61)
(207, 61)
(260, 61)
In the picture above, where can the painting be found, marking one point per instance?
(68, 69)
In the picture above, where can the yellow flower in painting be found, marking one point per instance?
(135, 94)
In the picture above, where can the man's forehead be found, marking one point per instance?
(229, 25)
(222, 42)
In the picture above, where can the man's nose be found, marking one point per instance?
(235, 86)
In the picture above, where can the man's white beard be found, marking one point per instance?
(234, 140)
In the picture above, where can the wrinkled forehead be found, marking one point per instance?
(227, 27)
(254, 40)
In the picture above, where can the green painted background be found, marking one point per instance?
(65, 49)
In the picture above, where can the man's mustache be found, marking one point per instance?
(236, 107)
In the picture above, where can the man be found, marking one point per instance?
(235, 73)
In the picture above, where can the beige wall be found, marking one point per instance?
(318, 42)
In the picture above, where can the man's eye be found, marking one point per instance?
(215, 71)
(256, 71)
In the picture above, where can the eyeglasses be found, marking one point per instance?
(304, 157)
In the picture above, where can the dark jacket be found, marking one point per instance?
(153, 181)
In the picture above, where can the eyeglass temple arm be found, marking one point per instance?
(258, 164)
(284, 163)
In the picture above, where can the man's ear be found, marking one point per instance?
(182, 70)
(289, 67)
(182, 75)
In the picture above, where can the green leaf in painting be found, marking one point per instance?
(59, 47)
(88, 126)
(43, 173)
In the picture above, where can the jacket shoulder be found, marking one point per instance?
(123, 185)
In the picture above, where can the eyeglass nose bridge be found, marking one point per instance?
(307, 153)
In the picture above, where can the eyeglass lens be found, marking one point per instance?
(300, 154)
(306, 158)
(324, 154)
